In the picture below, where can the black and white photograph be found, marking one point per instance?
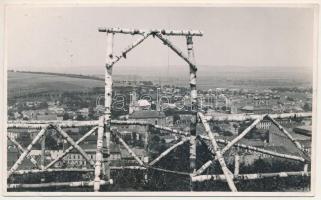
(124, 99)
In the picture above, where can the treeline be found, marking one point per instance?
(62, 74)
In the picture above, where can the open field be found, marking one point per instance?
(33, 83)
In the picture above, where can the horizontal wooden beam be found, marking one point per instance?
(169, 171)
(152, 31)
(243, 117)
(58, 184)
(39, 124)
(240, 177)
(38, 171)
(80, 170)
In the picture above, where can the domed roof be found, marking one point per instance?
(143, 103)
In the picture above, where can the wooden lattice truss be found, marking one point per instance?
(103, 129)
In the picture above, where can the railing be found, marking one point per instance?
(209, 139)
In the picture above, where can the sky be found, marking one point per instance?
(66, 39)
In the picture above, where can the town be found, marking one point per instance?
(163, 105)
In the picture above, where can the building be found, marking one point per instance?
(149, 116)
(75, 159)
(256, 109)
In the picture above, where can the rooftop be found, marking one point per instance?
(145, 114)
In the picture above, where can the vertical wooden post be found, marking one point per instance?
(305, 168)
(43, 156)
(108, 100)
(236, 164)
(43, 152)
(193, 123)
(99, 155)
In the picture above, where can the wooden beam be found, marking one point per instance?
(60, 157)
(243, 117)
(43, 152)
(58, 184)
(140, 123)
(32, 160)
(194, 108)
(108, 100)
(124, 53)
(227, 173)
(127, 167)
(37, 171)
(236, 164)
(174, 131)
(167, 151)
(256, 176)
(99, 154)
(169, 171)
(154, 31)
(128, 148)
(285, 132)
(260, 150)
(39, 124)
(244, 133)
(34, 124)
(73, 143)
(26, 152)
(176, 50)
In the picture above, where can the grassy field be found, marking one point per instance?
(28, 82)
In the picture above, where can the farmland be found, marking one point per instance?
(24, 83)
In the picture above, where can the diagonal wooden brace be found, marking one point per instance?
(32, 160)
(228, 174)
(230, 144)
(123, 54)
(60, 157)
(176, 50)
(26, 152)
(285, 132)
(167, 151)
(73, 143)
(243, 134)
(128, 148)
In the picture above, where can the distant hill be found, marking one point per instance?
(216, 77)
(27, 82)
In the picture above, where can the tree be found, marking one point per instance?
(307, 107)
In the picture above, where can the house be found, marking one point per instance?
(56, 109)
(75, 159)
(84, 112)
